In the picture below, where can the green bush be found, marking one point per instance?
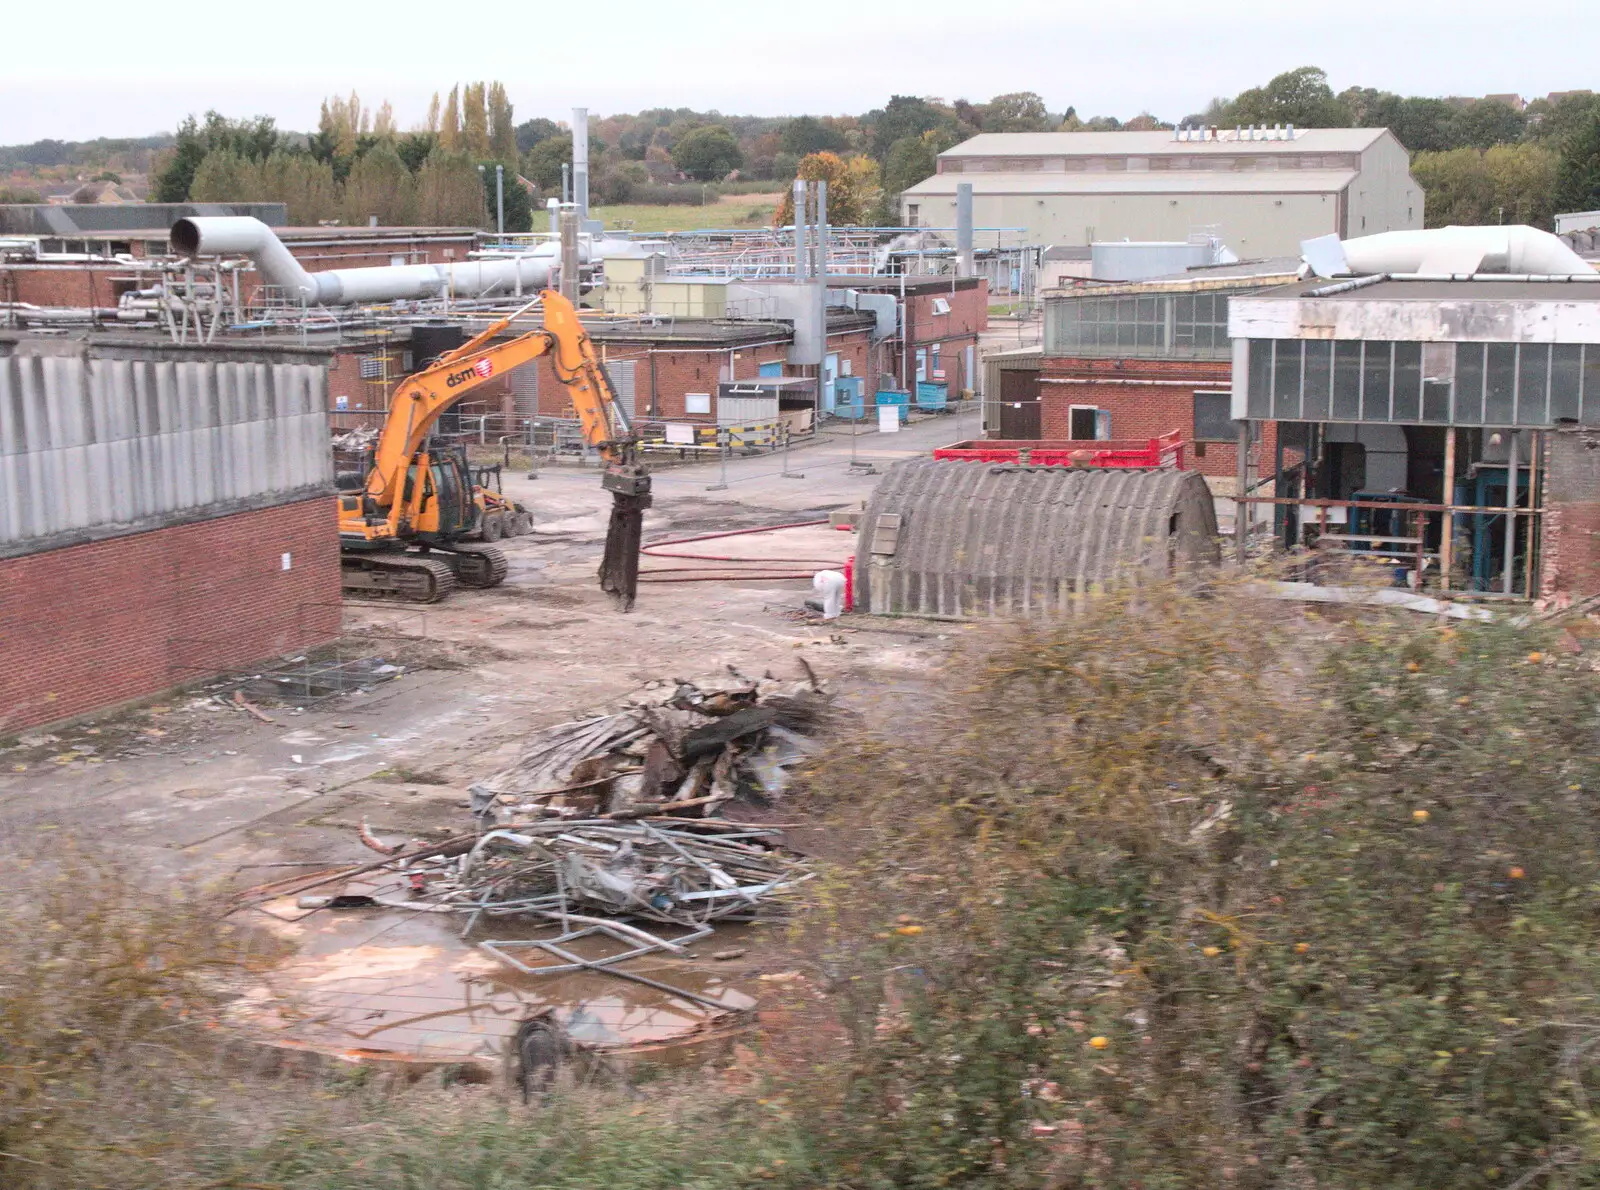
(1196, 892)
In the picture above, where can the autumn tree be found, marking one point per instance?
(502, 129)
(475, 119)
(342, 124)
(449, 122)
(854, 187)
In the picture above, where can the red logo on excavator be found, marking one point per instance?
(484, 368)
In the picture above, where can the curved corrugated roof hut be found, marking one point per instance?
(943, 538)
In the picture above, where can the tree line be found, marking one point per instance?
(1479, 160)
(357, 164)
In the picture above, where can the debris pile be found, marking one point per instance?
(686, 874)
(682, 749)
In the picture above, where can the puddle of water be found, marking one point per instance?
(390, 983)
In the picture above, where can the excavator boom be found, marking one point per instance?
(425, 396)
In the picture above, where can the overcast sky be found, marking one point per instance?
(120, 69)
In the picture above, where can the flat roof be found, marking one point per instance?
(1288, 181)
(1094, 144)
(1487, 290)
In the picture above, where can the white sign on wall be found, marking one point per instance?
(697, 402)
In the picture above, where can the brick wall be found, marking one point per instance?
(1570, 559)
(93, 626)
(1147, 410)
(954, 332)
(76, 287)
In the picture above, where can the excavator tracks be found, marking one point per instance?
(478, 565)
(402, 578)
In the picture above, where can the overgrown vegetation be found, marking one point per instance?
(1190, 895)
(106, 995)
(1189, 892)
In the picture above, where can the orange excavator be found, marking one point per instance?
(403, 534)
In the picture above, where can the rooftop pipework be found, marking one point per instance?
(234, 235)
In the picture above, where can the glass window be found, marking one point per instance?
(1499, 405)
(1213, 418)
(1286, 379)
(1347, 381)
(1533, 383)
(1469, 384)
(1319, 378)
(1260, 388)
(1407, 381)
(1566, 376)
(1376, 373)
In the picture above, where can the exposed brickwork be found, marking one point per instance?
(1570, 557)
(1146, 410)
(953, 332)
(92, 626)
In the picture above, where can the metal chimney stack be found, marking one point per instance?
(965, 264)
(580, 161)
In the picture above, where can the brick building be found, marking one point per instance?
(941, 320)
(164, 517)
(1136, 361)
(658, 368)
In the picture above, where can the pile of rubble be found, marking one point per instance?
(682, 749)
(604, 832)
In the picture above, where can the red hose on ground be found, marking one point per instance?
(696, 574)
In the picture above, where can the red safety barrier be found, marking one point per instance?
(1166, 451)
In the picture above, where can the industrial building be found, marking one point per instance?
(1261, 190)
(1136, 361)
(164, 516)
(1405, 402)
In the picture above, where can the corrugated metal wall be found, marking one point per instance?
(966, 540)
(97, 440)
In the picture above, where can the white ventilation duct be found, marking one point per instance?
(243, 236)
(1447, 252)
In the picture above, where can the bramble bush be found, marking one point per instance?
(1201, 891)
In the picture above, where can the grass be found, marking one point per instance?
(733, 210)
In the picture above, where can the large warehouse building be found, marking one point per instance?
(1261, 190)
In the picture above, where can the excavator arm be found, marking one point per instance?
(422, 398)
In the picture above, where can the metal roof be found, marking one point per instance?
(970, 539)
(1288, 181)
(1095, 144)
(1486, 290)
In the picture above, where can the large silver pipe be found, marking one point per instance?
(237, 235)
(240, 235)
